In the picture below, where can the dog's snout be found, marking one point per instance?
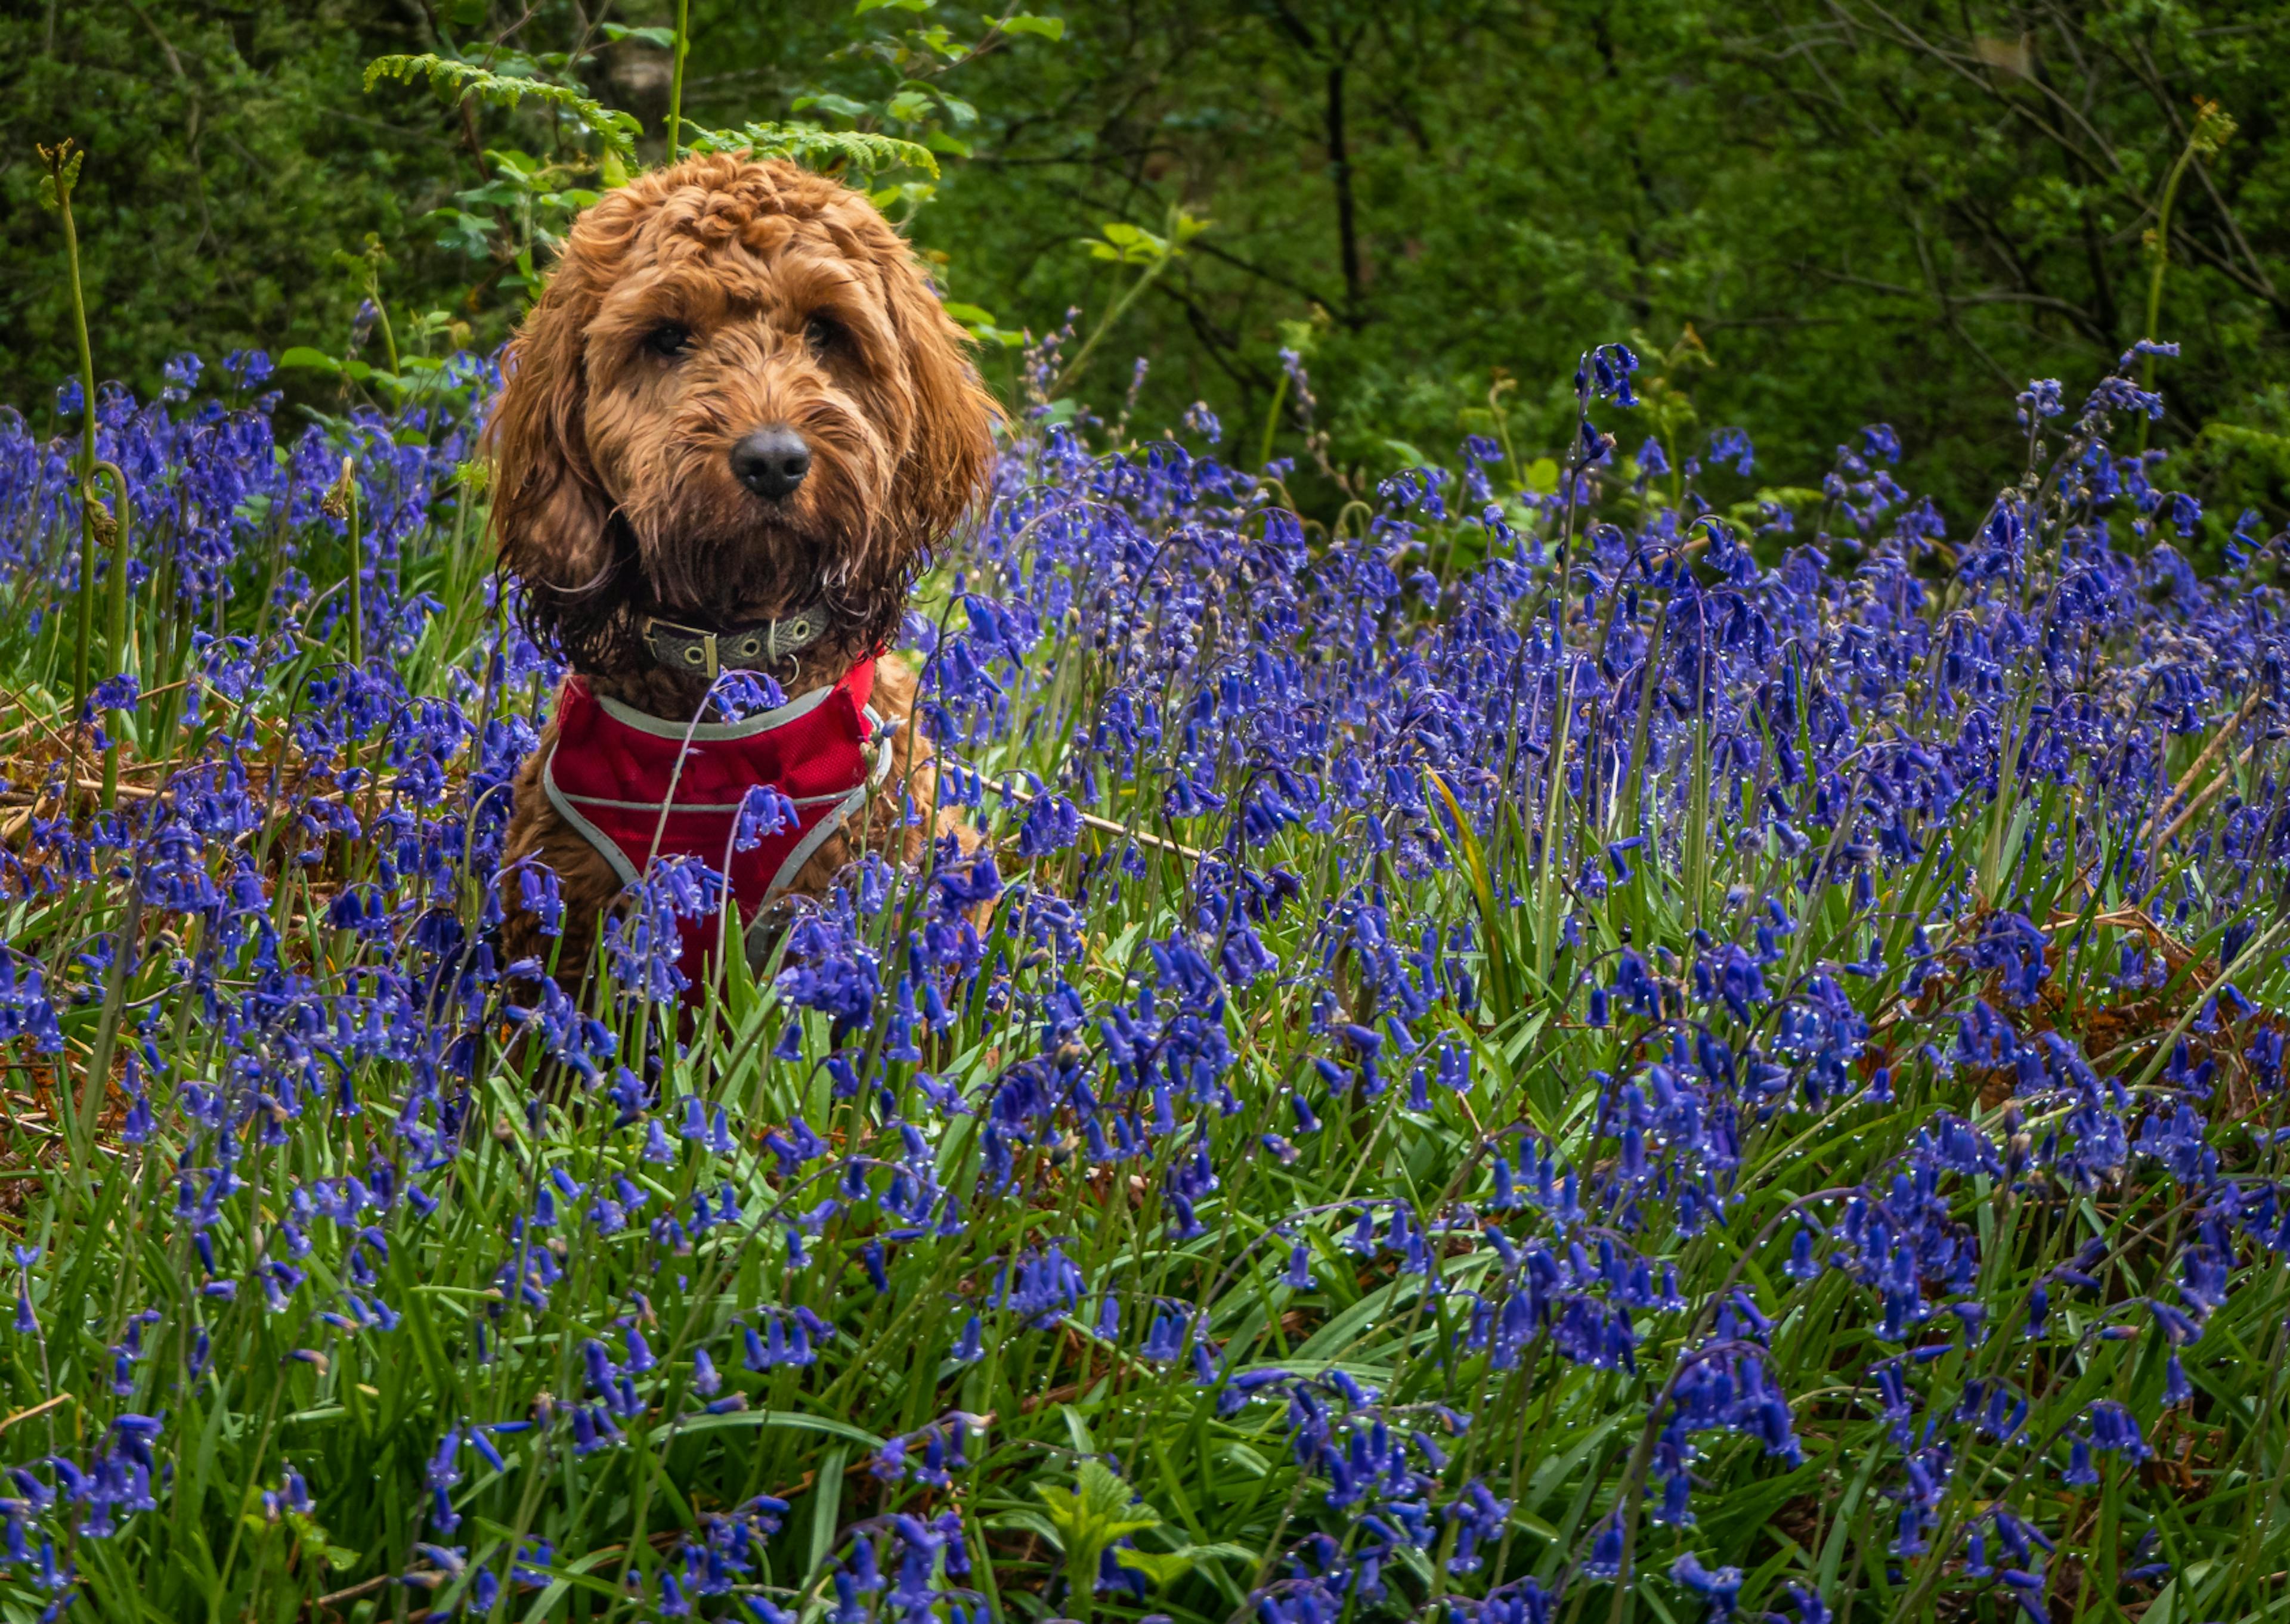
(771, 461)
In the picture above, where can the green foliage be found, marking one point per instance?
(1087, 1519)
(1094, 1447)
(1862, 210)
(2270, 450)
(864, 151)
(63, 173)
(616, 131)
(1123, 244)
(229, 156)
(1814, 215)
(1859, 211)
(527, 203)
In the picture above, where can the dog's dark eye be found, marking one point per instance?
(822, 333)
(668, 338)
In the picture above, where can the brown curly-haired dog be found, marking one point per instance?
(737, 421)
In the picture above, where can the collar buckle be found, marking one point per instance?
(703, 651)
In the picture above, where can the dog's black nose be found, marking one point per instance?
(771, 461)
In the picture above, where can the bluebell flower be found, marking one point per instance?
(1720, 1588)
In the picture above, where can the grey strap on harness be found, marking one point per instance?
(746, 648)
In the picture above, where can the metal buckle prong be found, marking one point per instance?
(707, 642)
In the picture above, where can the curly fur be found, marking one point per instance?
(614, 494)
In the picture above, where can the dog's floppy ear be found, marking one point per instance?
(550, 514)
(951, 458)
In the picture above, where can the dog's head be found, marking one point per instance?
(737, 396)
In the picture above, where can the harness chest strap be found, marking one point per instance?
(637, 786)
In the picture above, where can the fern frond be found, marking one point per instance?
(618, 131)
(809, 145)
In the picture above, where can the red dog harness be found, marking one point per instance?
(637, 787)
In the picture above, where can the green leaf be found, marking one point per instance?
(664, 39)
(51, 198)
(1126, 244)
(1135, 245)
(969, 316)
(460, 232)
(842, 106)
(826, 1508)
(1048, 28)
(316, 360)
(741, 1418)
(939, 39)
(1097, 1511)
(1223, 1550)
(1161, 1567)
(915, 192)
(912, 107)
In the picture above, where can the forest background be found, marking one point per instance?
(1807, 212)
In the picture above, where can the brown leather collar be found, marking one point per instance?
(755, 647)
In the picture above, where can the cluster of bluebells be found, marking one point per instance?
(222, 482)
(1337, 734)
(1842, 712)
